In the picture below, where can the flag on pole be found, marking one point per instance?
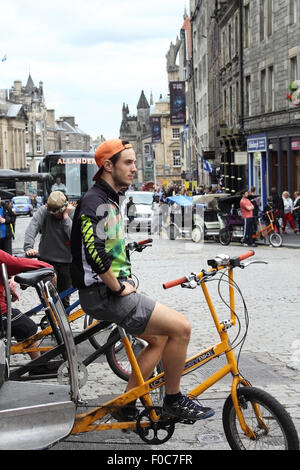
(4, 58)
(207, 166)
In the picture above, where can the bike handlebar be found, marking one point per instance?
(233, 262)
(145, 242)
(176, 282)
(246, 255)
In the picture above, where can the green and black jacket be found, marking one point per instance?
(97, 239)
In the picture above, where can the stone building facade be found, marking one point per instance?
(252, 56)
(13, 120)
(137, 130)
(30, 130)
(272, 123)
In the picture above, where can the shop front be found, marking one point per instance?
(284, 160)
(257, 148)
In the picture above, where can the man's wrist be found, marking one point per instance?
(118, 292)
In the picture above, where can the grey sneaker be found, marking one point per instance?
(186, 409)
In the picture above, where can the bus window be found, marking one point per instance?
(75, 170)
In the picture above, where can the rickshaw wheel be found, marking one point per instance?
(224, 236)
(197, 234)
(172, 232)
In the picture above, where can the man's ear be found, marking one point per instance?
(107, 165)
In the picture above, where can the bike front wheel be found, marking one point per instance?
(277, 432)
(275, 239)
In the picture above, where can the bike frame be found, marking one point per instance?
(87, 422)
(265, 231)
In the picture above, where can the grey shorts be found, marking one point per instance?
(132, 312)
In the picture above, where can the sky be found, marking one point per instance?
(91, 55)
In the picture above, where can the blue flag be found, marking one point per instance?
(207, 166)
(4, 58)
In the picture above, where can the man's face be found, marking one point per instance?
(124, 170)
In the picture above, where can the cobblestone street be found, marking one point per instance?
(271, 353)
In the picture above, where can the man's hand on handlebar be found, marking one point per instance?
(31, 253)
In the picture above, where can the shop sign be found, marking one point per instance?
(295, 144)
(240, 158)
(257, 144)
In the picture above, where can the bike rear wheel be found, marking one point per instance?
(280, 432)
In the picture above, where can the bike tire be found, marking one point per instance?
(275, 239)
(281, 434)
(224, 237)
(100, 338)
(117, 358)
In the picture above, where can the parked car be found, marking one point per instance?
(143, 204)
(22, 205)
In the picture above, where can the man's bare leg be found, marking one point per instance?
(168, 332)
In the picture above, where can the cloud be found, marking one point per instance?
(91, 56)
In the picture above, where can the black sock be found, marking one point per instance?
(172, 398)
(132, 404)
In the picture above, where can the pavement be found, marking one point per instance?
(291, 240)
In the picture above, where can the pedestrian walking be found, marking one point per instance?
(7, 222)
(130, 211)
(54, 222)
(288, 207)
(296, 211)
(247, 215)
(157, 215)
(277, 204)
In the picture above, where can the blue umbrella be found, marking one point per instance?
(180, 200)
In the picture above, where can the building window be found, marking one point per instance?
(270, 18)
(266, 19)
(248, 96)
(246, 26)
(229, 42)
(224, 47)
(176, 133)
(237, 102)
(38, 127)
(262, 19)
(271, 96)
(263, 90)
(230, 106)
(176, 158)
(294, 68)
(236, 32)
(293, 11)
(225, 106)
(38, 145)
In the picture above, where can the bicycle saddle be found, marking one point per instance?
(31, 278)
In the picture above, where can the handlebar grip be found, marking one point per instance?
(176, 282)
(144, 242)
(246, 255)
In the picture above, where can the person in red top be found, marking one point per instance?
(22, 327)
(247, 215)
